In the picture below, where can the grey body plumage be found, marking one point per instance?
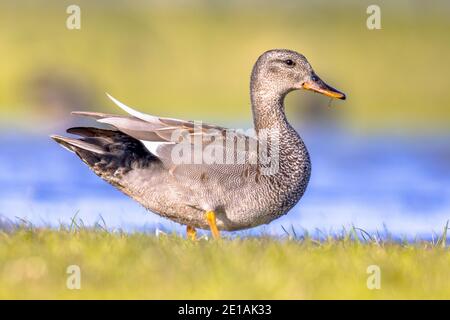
(238, 193)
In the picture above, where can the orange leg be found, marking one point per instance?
(191, 233)
(211, 218)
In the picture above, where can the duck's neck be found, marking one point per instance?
(271, 123)
(268, 109)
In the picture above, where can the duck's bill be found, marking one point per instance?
(321, 87)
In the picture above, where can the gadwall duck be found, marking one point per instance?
(264, 174)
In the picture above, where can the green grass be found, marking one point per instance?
(33, 264)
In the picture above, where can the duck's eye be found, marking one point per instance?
(314, 78)
(289, 62)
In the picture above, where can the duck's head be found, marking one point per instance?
(280, 71)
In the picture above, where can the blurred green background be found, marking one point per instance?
(192, 59)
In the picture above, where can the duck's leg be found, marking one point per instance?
(191, 233)
(211, 218)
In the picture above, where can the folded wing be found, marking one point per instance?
(162, 135)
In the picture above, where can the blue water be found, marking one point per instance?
(370, 182)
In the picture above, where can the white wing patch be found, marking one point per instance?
(153, 146)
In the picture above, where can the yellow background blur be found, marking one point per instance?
(192, 59)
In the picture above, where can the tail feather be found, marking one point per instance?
(91, 132)
(109, 153)
(74, 144)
